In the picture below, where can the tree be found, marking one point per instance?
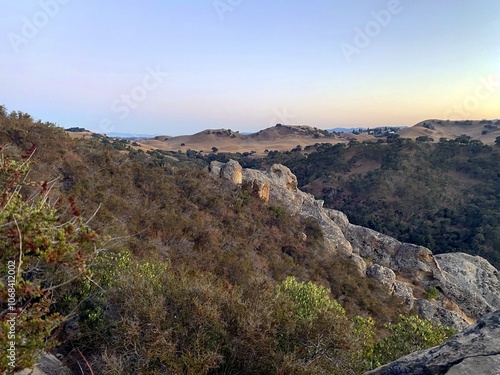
(424, 138)
(497, 141)
(463, 139)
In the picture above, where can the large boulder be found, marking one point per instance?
(231, 171)
(448, 317)
(383, 275)
(473, 351)
(405, 292)
(278, 186)
(471, 281)
(372, 245)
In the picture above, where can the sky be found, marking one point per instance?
(176, 67)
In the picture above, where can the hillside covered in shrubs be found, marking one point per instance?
(141, 263)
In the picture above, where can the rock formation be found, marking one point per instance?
(468, 286)
(473, 351)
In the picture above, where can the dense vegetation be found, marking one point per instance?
(445, 195)
(141, 263)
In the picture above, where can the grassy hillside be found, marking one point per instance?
(444, 195)
(141, 263)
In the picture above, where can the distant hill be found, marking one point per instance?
(279, 137)
(484, 130)
(130, 135)
(288, 137)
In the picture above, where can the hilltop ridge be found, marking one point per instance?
(286, 137)
(279, 137)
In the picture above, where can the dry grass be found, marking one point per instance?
(451, 130)
(285, 138)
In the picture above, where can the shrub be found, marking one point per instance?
(41, 257)
(431, 293)
(410, 334)
(308, 299)
(315, 336)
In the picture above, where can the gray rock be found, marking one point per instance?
(436, 313)
(414, 261)
(489, 365)
(404, 292)
(48, 365)
(372, 245)
(359, 263)
(232, 171)
(215, 168)
(383, 275)
(338, 218)
(473, 351)
(470, 281)
(283, 176)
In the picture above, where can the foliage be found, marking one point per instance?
(410, 334)
(308, 298)
(314, 333)
(177, 321)
(44, 254)
(431, 293)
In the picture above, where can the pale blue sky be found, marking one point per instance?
(248, 64)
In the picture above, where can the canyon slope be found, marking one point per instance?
(466, 287)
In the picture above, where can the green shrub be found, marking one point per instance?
(410, 334)
(315, 335)
(308, 299)
(431, 293)
(42, 257)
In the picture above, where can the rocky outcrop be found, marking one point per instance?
(468, 287)
(279, 186)
(473, 351)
